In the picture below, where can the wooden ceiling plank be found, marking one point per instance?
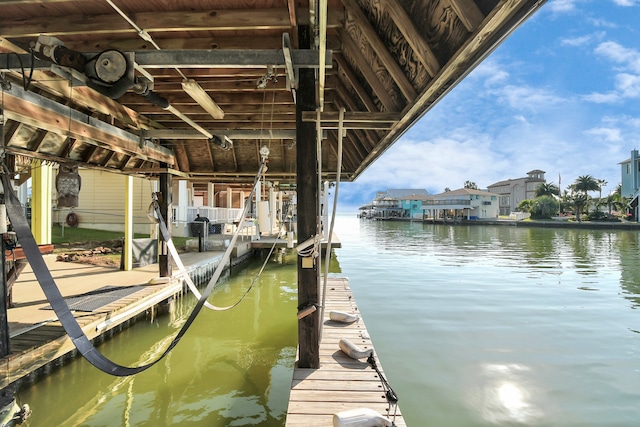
(418, 44)
(182, 157)
(36, 140)
(86, 158)
(468, 12)
(67, 147)
(10, 129)
(355, 83)
(347, 157)
(208, 20)
(390, 63)
(123, 163)
(107, 158)
(365, 68)
(211, 157)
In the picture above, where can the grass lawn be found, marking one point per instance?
(91, 237)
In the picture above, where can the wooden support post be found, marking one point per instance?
(41, 181)
(128, 223)
(4, 320)
(307, 189)
(165, 200)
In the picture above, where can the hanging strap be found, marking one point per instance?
(60, 307)
(214, 279)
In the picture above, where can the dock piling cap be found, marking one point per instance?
(360, 417)
(159, 281)
(353, 351)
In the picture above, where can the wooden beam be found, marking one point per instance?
(379, 90)
(354, 120)
(44, 113)
(418, 44)
(210, 20)
(379, 47)
(468, 12)
(355, 84)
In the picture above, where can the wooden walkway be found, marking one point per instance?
(341, 383)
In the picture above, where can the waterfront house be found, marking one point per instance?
(462, 203)
(630, 173)
(512, 191)
(395, 203)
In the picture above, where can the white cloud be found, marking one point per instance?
(576, 41)
(558, 6)
(603, 98)
(527, 98)
(628, 85)
(627, 58)
(625, 2)
(606, 134)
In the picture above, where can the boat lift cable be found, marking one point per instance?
(54, 296)
(227, 254)
(333, 216)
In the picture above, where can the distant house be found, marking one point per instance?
(630, 171)
(512, 191)
(462, 203)
(395, 203)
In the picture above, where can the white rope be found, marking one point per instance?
(227, 254)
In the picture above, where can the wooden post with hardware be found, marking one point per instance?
(307, 191)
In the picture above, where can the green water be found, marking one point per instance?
(475, 327)
(232, 368)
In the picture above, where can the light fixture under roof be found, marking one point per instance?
(199, 95)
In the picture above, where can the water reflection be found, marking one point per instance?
(505, 397)
(480, 326)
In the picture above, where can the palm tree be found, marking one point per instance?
(547, 189)
(613, 202)
(579, 201)
(601, 183)
(470, 185)
(586, 183)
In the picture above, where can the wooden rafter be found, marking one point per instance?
(391, 65)
(67, 146)
(365, 68)
(36, 140)
(468, 12)
(418, 44)
(355, 84)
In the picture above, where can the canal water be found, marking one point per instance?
(501, 326)
(474, 325)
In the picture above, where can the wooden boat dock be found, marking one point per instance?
(341, 383)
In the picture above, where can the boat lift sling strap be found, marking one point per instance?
(60, 307)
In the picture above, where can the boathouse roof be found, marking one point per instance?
(385, 62)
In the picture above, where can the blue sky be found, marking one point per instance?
(561, 94)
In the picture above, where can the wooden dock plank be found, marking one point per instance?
(341, 383)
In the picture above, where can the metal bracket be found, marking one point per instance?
(292, 77)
